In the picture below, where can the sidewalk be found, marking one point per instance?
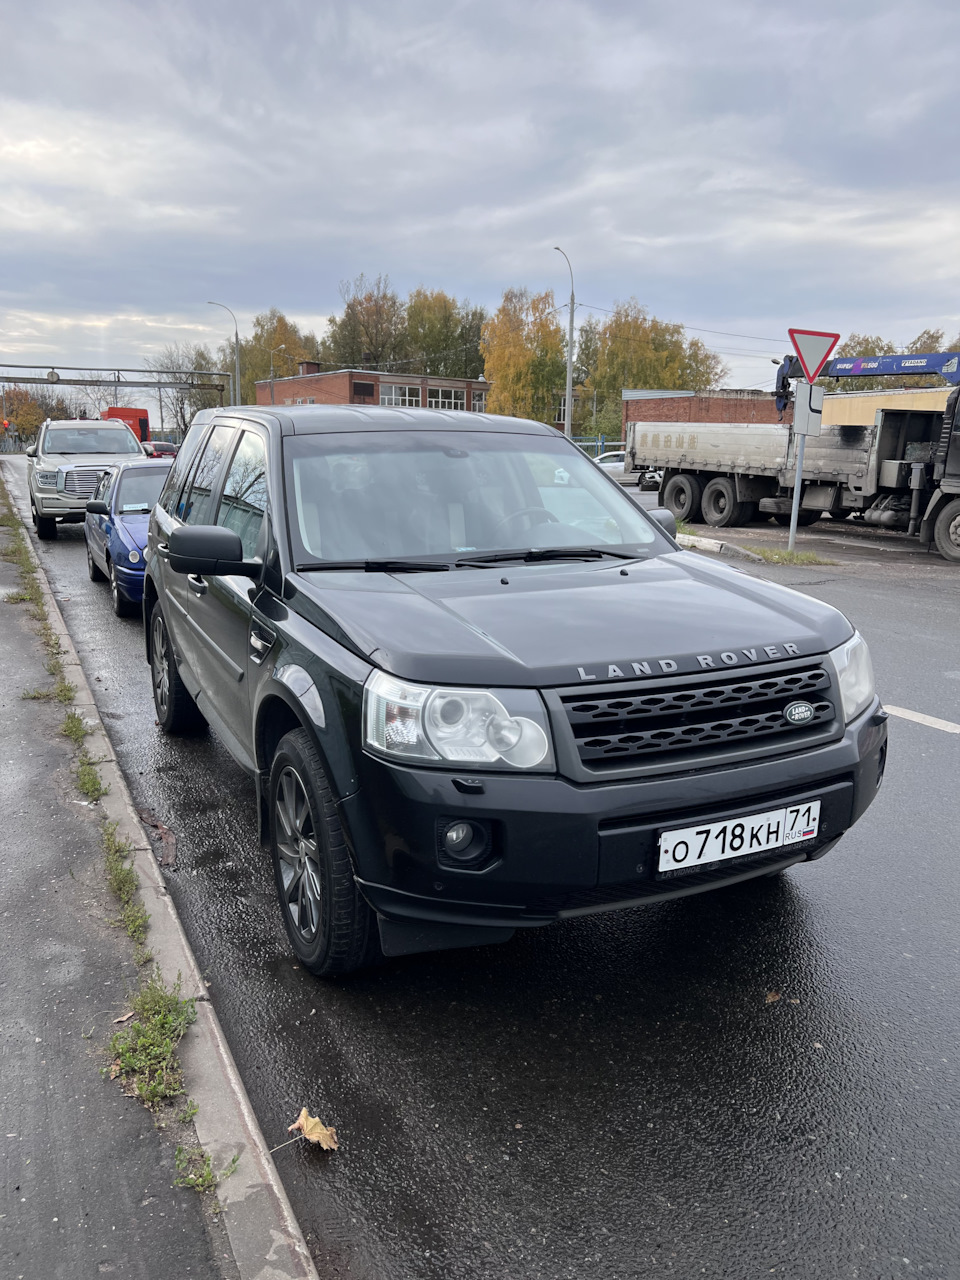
(88, 1179)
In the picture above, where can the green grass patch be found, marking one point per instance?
(75, 728)
(145, 1052)
(773, 556)
(194, 1169)
(87, 777)
(686, 529)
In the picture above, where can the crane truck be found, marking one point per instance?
(901, 471)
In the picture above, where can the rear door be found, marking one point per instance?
(221, 607)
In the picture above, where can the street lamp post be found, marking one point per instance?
(568, 404)
(236, 349)
(282, 347)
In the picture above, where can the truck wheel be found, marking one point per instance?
(46, 528)
(329, 925)
(803, 518)
(946, 531)
(177, 713)
(681, 495)
(720, 506)
(748, 512)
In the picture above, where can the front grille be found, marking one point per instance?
(80, 482)
(635, 723)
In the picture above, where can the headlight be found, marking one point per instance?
(460, 726)
(47, 479)
(133, 556)
(855, 673)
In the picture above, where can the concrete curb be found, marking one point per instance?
(264, 1235)
(726, 549)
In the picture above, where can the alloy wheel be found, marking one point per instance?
(298, 854)
(160, 665)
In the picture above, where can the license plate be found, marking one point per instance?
(687, 848)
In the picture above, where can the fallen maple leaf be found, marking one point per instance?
(315, 1131)
(773, 997)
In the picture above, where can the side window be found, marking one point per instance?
(199, 501)
(103, 487)
(182, 466)
(244, 500)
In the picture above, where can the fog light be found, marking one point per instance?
(458, 837)
(463, 844)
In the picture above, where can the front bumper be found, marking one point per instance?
(560, 849)
(49, 503)
(130, 582)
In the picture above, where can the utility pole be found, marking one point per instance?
(236, 349)
(568, 403)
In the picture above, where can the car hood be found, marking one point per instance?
(95, 461)
(133, 527)
(567, 623)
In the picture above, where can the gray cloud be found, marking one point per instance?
(738, 167)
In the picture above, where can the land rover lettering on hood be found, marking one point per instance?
(477, 688)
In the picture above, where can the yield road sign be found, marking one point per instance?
(813, 349)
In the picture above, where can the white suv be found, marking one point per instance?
(65, 466)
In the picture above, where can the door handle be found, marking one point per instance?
(163, 551)
(196, 584)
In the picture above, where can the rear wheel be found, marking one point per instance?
(331, 928)
(177, 713)
(720, 506)
(122, 607)
(681, 495)
(94, 572)
(946, 531)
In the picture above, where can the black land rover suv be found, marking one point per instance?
(479, 689)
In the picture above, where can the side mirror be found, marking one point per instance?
(665, 519)
(209, 549)
(98, 508)
(31, 451)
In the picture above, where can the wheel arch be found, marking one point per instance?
(279, 712)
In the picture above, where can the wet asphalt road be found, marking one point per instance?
(758, 1081)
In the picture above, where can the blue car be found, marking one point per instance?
(115, 529)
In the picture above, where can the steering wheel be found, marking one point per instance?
(544, 515)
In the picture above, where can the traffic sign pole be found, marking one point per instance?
(813, 348)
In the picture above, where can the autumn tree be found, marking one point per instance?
(637, 350)
(272, 332)
(178, 402)
(524, 356)
(27, 409)
(372, 330)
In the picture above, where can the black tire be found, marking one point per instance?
(719, 503)
(839, 515)
(946, 531)
(46, 527)
(803, 518)
(748, 512)
(177, 713)
(122, 607)
(94, 572)
(681, 495)
(330, 927)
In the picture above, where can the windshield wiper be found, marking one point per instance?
(538, 554)
(376, 566)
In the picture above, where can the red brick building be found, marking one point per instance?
(368, 386)
(714, 406)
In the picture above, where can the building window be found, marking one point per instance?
(363, 390)
(400, 397)
(312, 400)
(446, 398)
(479, 404)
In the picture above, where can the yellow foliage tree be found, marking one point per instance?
(525, 356)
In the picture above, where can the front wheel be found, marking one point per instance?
(946, 531)
(94, 572)
(122, 607)
(177, 713)
(331, 928)
(46, 527)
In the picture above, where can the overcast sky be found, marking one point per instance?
(740, 166)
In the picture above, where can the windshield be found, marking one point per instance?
(90, 440)
(449, 495)
(140, 488)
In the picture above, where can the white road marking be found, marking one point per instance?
(930, 721)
